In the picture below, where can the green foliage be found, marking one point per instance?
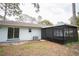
(10, 9)
(77, 20)
(69, 44)
(37, 6)
(45, 22)
(1, 16)
(25, 17)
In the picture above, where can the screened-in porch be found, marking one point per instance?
(62, 34)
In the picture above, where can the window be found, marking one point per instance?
(66, 34)
(10, 33)
(30, 30)
(16, 32)
(71, 32)
(13, 33)
(58, 33)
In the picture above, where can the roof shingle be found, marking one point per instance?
(16, 23)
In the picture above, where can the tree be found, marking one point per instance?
(37, 6)
(74, 14)
(25, 18)
(60, 23)
(1, 16)
(45, 22)
(39, 18)
(77, 20)
(10, 9)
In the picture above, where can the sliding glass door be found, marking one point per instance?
(13, 33)
(10, 33)
(16, 32)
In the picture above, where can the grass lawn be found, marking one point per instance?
(74, 45)
(37, 48)
(1, 51)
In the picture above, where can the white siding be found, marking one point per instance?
(26, 35)
(3, 34)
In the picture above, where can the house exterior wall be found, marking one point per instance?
(26, 35)
(3, 34)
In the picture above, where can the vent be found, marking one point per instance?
(35, 37)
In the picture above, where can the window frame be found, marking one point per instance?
(14, 34)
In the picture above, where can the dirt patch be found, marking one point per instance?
(75, 48)
(38, 48)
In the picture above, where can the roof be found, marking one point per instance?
(61, 25)
(67, 25)
(22, 24)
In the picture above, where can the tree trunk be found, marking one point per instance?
(74, 14)
(5, 12)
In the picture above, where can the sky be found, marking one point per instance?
(54, 12)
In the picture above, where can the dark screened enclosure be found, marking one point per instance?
(60, 34)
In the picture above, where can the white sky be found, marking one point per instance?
(54, 12)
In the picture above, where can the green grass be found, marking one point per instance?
(28, 46)
(69, 44)
(1, 51)
(32, 46)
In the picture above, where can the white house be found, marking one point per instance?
(13, 31)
